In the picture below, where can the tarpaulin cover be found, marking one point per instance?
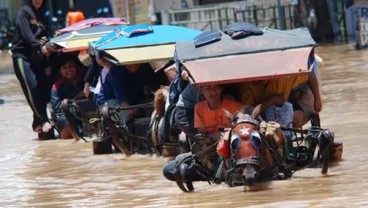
(161, 34)
(275, 53)
(151, 45)
(77, 40)
(93, 22)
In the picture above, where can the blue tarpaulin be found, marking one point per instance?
(161, 34)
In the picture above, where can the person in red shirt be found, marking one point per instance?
(73, 16)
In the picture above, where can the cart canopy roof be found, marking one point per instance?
(78, 40)
(143, 43)
(223, 59)
(114, 21)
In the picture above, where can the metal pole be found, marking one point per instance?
(71, 3)
(343, 17)
(281, 15)
(127, 11)
(51, 8)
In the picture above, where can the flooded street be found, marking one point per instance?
(64, 173)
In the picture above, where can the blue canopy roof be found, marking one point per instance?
(159, 34)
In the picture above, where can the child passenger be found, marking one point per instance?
(209, 115)
(68, 86)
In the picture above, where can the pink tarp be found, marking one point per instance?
(249, 67)
(91, 22)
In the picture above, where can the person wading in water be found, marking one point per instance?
(30, 64)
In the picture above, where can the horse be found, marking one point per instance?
(159, 101)
(251, 157)
(160, 128)
(157, 117)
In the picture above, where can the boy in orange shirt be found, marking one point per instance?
(209, 114)
(209, 117)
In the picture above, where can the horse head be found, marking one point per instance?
(248, 151)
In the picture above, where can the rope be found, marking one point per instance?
(94, 120)
(144, 105)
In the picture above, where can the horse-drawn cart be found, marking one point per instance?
(251, 152)
(111, 39)
(138, 44)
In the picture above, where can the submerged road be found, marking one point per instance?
(64, 173)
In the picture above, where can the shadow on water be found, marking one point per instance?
(64, 173)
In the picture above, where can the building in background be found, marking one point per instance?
(10, 7)
(329, 26)
(360, 21)
(147, 11)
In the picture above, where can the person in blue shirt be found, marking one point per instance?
(92, 77)
(128, 85)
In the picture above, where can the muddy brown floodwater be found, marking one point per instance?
(64, 173)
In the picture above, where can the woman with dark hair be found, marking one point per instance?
(29, 61)
(68, 86)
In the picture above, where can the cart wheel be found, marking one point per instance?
(325, 144)
(336, 152)
(102, 146)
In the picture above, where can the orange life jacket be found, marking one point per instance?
(74, 17)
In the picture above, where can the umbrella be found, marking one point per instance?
(224, 59)
(76, 37)
(143, 43)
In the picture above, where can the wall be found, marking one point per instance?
(89, 9)
(135, 11)
(4, 12)
(12, 6)
(162, 5)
